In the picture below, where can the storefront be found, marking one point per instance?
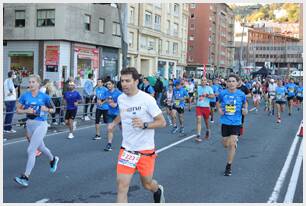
(109, 63)
(87, 61)
(171, 73)
(22, 61)
(162, 68)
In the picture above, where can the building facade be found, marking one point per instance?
(211, 39)
(61, 40)
(157, 38)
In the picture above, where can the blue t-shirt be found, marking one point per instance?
(299, 92)
(148, 89)
(42, 99)
(280, 93)
(101, 95)
(177, 95)
(216, 90)
(71, 97)
(231, 104)
(202, 92)
(291, 87)
(113, 96)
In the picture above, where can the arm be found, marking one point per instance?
(219, 108)
(20, 109)
(113, 124)
(159, 122)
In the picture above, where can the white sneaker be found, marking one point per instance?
(74, 125)
(48, 125)
(70, 136)
(212, 121)
(9, 131)
(86, 118)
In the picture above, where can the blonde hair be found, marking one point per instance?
(36, 77)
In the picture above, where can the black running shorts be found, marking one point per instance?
(70, 114)
(228, 130)
(100, 112)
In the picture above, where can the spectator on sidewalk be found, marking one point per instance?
(88, 94)
(54, 92)
(158, 87)
(17, 82)
(10, 102)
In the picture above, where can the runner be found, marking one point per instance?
(280, 99)
(231, 105)
(147, 88)
(299, 95)
(291, 88)
(271, 96)
(179, 96)
(204, 95)
(247, 92)
(140, 115)
(256, 93)
(72, 98)
(190, 90)
(111, 95)
(216, 89)
(169, 104)
(36, 105)
(101, 108)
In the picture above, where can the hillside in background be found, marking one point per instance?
(276, 12)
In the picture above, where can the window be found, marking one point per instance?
(175, 48)
(157, 22)
(143, 42)
(190, 58)
(19, 18)
(176, 9)
(130, 39)
(116, 29)
(169, 9)
(193, 6)
(191, 16)
(160, 45)
(168, 26)
(101, 25)
(167, 47)
(151, 44)
(148, 19)
(191, 37)
(192, 26)
(175, 29)
(190, 48)
(45, 17)
(87, 22)
(131, 13)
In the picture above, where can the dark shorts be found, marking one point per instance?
(179, 110)
(299, 98)
(190, 94)
(100, 112)
(110, 118)
(170, 107)
(228, 130)
(212, 104)
(290, 98)
(280, 102)
(70, 114)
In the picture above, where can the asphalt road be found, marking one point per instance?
(189, 171)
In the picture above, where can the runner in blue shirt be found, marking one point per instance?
(101, 107)
(72, 98)
(291, 88)
(204, 95)
(299, 95)
(231, 105)
(36, 105)
(111, 95)
(179, 97)
(216, 89)
(280, 99)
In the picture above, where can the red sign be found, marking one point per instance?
(52, 55)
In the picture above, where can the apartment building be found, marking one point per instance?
(157, 38)
(211, 38)
(61, 40)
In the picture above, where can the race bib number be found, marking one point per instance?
(291, 89)
(279, 96)
(230, 109)
(177, 102)
(129, 159)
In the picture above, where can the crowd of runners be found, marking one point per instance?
(135, 107)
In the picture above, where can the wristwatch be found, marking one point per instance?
(145, 125)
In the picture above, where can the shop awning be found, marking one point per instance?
(21, 53)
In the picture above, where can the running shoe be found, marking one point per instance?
(74, 125)
(22, 180)
(207, 135)
(86, 118)
(198, 138)
(37, 153)
(158, 196)
(53, 164)
(70, 136)
(108, 147)
(212, 121)
(278, 120)
(174, 130)
(228, 171)
(289, 114)
(182, 130)
(97, 137)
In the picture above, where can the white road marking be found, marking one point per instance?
(175, 143)
(43, 200)
(280, 181)
(295, 176)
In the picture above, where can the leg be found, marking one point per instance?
(199, 125)
(87, 99)
(232, 145)
(181, 119)
(123, 183)
(278, 111)
(70, 125)
(10, 109)
(174, 117)
(110, 135)
(225, 142)
(149, 183)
